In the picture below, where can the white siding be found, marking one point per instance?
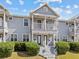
(63, 30)
(18, 25)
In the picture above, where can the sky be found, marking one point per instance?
(65, 8)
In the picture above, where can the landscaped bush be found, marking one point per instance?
(32, 48)
(62, 47)
(19, 46)
(74, 46)
(6, 49)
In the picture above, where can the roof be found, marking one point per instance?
(48, 7)
(19, 16)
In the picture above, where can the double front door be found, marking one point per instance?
(42, 40)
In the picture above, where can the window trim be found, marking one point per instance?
(14, 34)
(25, 34)
(23, 22)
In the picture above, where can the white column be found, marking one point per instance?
(4, 28)
(32, 25)
(45, 22)
(54, 40)
(75, 30)
(29, 37)
(55, 27)
(57, 30)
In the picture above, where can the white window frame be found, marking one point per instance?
(25, 34)
(14, 34)
(23, 22)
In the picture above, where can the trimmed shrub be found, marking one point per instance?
(74, 46)
(62, 47)
(19, 46)
(6, 49)
(32, 48)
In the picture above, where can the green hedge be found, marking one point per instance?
(74, 46)
(6, 49)
(62, 47)
(19, 46)
(32, 48)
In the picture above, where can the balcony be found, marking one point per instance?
(41, 27)
(2, 27)
(50, 27)
(1, 11)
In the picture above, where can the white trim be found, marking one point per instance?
(4, 28)
(32, 26)
(29, 37)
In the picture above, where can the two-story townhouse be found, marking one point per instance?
(3, 23)
(41, 26)
(74, 28)
(44, 24)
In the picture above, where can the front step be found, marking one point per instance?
(45, 52)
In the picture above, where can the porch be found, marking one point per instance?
(44, 39)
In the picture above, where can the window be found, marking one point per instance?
(38, 21)
(25, 22)
(72, 38)
(10, 18)
(39, 24)
(13, 37)
(72, 24)
(25, 37)
(64, 38)
(66, 23)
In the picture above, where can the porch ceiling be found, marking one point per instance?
(44, 32)
(43, 16)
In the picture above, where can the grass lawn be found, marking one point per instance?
(69, 55)
(19, 55)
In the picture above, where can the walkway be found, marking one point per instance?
(48, 52)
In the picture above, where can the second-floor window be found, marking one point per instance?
(13, 37)
(25, 22)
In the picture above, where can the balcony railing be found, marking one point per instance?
(41, 27)
(49, 27)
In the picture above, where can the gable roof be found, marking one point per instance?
(46, 6)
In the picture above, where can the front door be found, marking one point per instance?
(45, 38)
(39, 39)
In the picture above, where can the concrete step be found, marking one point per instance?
(46, 52)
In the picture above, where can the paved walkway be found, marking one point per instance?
(48, 52)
